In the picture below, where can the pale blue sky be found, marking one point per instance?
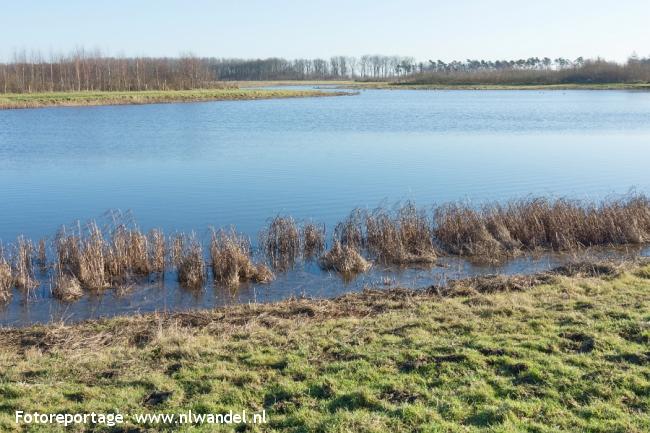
(423, 29)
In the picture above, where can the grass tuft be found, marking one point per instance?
(344, 259)
(231, 261)
(281, 242)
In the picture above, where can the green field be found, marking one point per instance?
(554, 354)
(36, 100)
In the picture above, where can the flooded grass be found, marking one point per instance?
(344, 259)
(496, 231)
(91, 259)
(313, 239)
(191, 264)
(281, 242)
(231, 261)
(401, 237)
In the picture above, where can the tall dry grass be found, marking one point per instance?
(6, 278)
(23, 266)
(498, 230)
(281, 242)
(401, 237)
(231, 261)
(344, 259)
(191, 264)
(313, 239)
(350, 232)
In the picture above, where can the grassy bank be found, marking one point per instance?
(513, 86)
(550, 353)
(74, 99)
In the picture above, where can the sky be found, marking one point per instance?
(446, 30)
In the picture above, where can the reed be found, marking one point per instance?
(313, 240)
(23, 267)
(191, 264)
(231, 260)
(401, 237)
(6, 278)
(350, 232)
(42, 255)
(281, 242)
(91, 264)
(497, 231)
(344, 259)
(65, 287)
(82, 255)
(157, 251)
(176, 247)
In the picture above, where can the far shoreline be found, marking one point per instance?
(102, 98)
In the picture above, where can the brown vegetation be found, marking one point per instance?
(281, 242)
(91, 259)
(313, 240)
(66, 288)
(344, 259)
(495, 230)
(231, 261)
(23, 269)
(6, 278)
(191, 264)
(404, 237)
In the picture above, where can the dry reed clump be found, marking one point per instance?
(6, 278)
(350, 232)
(231, 261)
(176, 247)
(191, 264)
(127, 254)
(42, 255)
(23, 268)
(404, 237)
(313, 240)
(281, 242)
(344, 259)
(497, 230)
(66, 288)
(82, 256)
(157, 251)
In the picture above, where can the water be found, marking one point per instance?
(191, 166)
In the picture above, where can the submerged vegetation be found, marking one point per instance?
(549, 353)
(90, 258)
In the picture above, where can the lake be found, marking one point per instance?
(183, 167)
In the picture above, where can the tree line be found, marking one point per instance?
(533, 71)
(92, 71)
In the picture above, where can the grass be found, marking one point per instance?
(558, 354)
(74, 99)
(344, 259)
(498, 230)
(513, 86)
(231, 261)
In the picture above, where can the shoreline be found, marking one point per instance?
(467, 286)
(493, 350)
(387, 85)
(104, 98)
(414, 86)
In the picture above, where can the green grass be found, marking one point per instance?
(571, 355)
(36, 100)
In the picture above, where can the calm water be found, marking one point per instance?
(191, 166)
